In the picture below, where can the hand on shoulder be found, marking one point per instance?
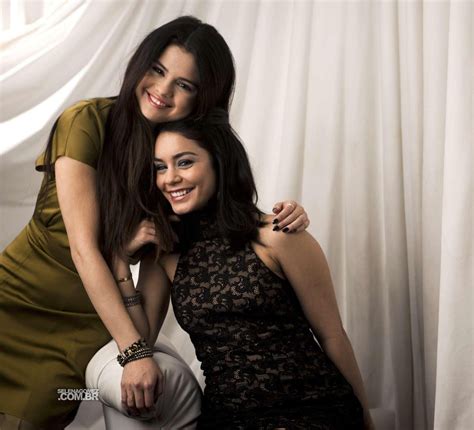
(279, 241)
(297, 251)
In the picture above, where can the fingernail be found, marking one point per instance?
(276, 228)
(275, 221)
(286, 229)
(275, 210)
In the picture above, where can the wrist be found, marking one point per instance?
(136, 351)
(120, 266)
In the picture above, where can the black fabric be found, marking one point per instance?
(262, 365)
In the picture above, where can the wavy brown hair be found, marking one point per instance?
(126, 188)
(234, 204)
(127, 192)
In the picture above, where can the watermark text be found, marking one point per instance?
(78, 394)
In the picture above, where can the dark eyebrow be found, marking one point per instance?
(183, 79)
(180, 154)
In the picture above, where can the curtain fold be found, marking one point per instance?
(361, 111)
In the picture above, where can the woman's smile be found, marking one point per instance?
(156, 101)
(168, 90)
(180, 194)
(184, 172)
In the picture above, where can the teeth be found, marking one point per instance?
(180, 193)
(157, 101)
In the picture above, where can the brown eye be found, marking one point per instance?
(159, 167)
(157, 69)
(184, 86)
(185, 163)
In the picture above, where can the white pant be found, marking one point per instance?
(179, 405)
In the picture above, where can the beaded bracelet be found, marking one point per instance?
(143, 353)
(140, 343)
(136, 350)
(138, 356)
(134, 300)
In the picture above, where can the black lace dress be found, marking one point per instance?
(263, 368)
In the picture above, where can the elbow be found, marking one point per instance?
(82, 253)
(333, 336)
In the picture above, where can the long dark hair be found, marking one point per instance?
(125, 170)
(235, 202)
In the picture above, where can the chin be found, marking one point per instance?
(182, 210)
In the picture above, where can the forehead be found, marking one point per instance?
(169, 143)
(179, 62)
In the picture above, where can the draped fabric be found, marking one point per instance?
(360, 111)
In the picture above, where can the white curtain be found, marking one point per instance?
(361, 111)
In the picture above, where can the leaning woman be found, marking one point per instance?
(59, 302)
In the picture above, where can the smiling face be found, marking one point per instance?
(184, 172)
(168, 90)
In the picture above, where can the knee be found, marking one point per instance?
(179, 405)
(180, 400)
(180, 384)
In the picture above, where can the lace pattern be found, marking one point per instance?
(262, 365)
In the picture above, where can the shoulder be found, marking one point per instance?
(78, 133)
(84, 120)
(88, 111)
(279, 242)
(277, 239)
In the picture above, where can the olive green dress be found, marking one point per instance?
(49, 329)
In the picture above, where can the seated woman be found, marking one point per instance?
(259, 306)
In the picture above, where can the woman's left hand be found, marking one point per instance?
(290, 217)
(143, 234)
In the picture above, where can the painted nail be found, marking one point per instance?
(286, 229)
(275, 221)
(276, 228)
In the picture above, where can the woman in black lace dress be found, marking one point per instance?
(253, 300)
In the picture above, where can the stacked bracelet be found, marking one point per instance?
(139, 355)
(135, 351)
(134, 300)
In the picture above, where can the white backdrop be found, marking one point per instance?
(361, 111)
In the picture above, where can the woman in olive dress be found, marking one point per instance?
(59, 302)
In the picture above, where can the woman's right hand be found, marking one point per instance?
(144, 234)
(142, 384)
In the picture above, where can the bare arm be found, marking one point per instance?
(155, 288)
(153, 282)
(305, 266)
(77, 196)
(121, 269)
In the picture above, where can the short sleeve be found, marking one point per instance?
(78, 134)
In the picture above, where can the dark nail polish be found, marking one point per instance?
(286, 229)
(276, 228)
(275, 221)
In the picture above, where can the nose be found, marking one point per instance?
(172, 177)
(165, 87)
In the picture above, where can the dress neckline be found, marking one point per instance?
(197, 226)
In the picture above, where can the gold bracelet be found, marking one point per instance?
(127, 278)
